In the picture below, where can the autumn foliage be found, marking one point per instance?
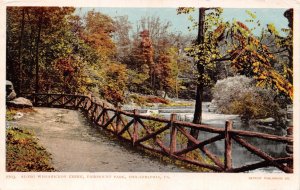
(23, 154)
(54, 50)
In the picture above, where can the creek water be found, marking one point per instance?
(241, 156)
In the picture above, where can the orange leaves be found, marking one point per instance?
(249, 61)
(252, 58)
(147, 50)
(219, 32)
(164, 72)
(97, 33)
(281, 83)
(242, 25)
(65, 66)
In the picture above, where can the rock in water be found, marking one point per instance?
(20, 103)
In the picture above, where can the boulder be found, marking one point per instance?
(10, 92)
(12, 95)
(20, 102)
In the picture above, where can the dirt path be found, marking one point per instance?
(77, 147)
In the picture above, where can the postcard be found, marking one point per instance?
(199, 94)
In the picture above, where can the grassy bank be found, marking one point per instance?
(23, 153)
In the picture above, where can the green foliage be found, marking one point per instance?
(247, 54)
(185, 10)
(272, 29)
(137, 99)
(251, 14)
(10, 113)
(154, 126)
(39, 38)
(206, 52)
(23, 154)
(265, 58)
(137, 78)
(56, 50)
(114, 83)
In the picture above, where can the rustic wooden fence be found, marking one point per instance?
(150, 133)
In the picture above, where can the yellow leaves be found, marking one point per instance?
(271, 76)
(260, 57)
(185, 10)
(256, 70)
(272, 29)
(256, 64)
(262, 77)
(89, 80)
(289, 71)
(291, 93)
(261, 83)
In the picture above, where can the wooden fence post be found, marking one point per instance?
(93, 108)
(95, 111)
(89, 101)
(228, 146)
(173, 134)
(289, 146)
(48, 97)
(76, 101)
(34, 99)
(85, 104)
(90, 110)
(135, 126)
(104, 114)
(63, 99)
(118, 121)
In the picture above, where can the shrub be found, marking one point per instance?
(114, 83)
(146, 100)
(10, 113)
(155, 99)
(239, 95)
(24, 154)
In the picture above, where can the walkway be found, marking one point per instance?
(78, 147)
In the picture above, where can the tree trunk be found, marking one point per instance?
(289, 14)
(20, 78)
(40, 22)
(200, 85)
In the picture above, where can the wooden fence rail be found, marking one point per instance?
(167, 136)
